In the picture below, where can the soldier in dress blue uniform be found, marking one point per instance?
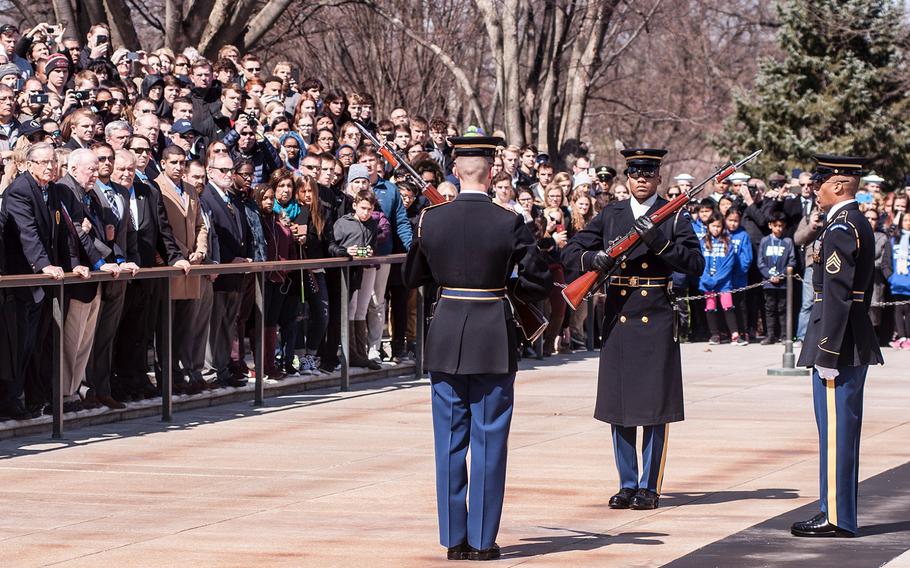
(640, 378)
(470, 248)
(840, 342)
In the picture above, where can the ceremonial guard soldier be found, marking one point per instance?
(840, 342)
(471, 248)
(640, 378)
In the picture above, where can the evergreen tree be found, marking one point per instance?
(837, 87)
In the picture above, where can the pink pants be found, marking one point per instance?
(726, 301)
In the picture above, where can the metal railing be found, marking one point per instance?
(259, 269)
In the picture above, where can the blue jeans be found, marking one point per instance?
(806, 307)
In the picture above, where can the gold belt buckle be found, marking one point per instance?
(633, 281)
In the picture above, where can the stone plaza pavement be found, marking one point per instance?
(329, 479)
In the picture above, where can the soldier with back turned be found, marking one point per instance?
(470, 248)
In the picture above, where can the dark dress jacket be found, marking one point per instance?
(640, 378)
(154, 238)
(840, 333)
(229, 222)
(472, 243)
(38, 234)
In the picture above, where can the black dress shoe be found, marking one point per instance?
(622, 499)
(818, 526)
(16, 410)
(645, 499)
(111, 402)
(236, 382)
(459, 552)
(491, 553)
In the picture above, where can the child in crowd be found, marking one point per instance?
(703, 212)
(717, 280)
(741, 246)
(775, 254)
(900, 281)
(359, 233)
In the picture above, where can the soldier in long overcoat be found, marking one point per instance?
(640, 378)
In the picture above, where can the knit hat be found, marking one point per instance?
(581, 178)
(9, 69)
(358, 171)
(56, 61)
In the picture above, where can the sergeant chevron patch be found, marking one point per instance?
(832, 265)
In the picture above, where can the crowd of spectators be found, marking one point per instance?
(116, 161)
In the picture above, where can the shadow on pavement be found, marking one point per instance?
(713, 497)
(577, 540)
(194, 418)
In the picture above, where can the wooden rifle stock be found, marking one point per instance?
(576, 292)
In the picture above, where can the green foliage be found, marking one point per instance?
(836, 87)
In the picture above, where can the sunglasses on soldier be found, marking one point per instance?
(636, 172)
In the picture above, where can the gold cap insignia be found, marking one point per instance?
(832, 265)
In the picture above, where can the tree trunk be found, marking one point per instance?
(121, 21)
(218, 17)
(502, 30)
(547, 139)
(63, 12)
(581, 68)
(264, 20)
(30, 20)
(172, 18)
(94, 11)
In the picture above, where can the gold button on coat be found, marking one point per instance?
(622, 319)
(622, 292)
(644, 292)
(644, 265)
(644, 319)
(622, 265)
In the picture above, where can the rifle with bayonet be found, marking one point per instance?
(619, 250)
(396, 160)
(529, 318)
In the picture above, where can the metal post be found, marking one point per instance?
(418, 351)
(589, 324)
(345, 331)
(259, 340)
(167, 354)
(788, 366)
(789, 361)
(57, 378)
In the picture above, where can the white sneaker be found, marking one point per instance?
(307, 365)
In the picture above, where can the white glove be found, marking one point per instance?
(826, 373)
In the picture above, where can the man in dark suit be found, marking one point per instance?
(114, 201)
(795, 208)
(142, 299)
(471, 344)
(84, 300)
(42, 233)
(30, 218)
(226, 213)
(640, 378)
(840, 342)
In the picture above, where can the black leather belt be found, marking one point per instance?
(638, 282)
